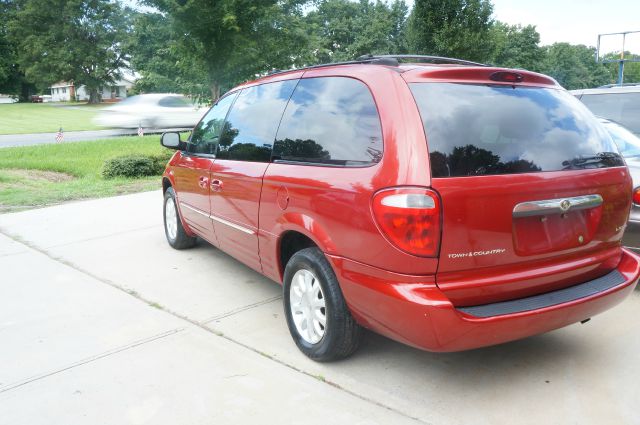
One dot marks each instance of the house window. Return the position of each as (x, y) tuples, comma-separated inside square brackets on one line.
[(64, 90)]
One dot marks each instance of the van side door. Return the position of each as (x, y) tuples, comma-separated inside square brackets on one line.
[(192, 168), (242, 157)]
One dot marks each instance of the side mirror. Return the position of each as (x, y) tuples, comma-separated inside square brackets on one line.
[(171, 140)]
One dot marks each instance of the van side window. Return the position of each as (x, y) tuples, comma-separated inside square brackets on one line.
[(205, 137), (330, 120), (175, 102), (253, 121)]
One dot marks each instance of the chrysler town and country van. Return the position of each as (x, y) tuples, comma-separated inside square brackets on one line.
[(442, 203)]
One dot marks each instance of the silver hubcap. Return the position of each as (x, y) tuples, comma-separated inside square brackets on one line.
[(307, 305), (171, 218)]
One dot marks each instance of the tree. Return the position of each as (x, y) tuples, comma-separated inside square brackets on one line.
[(233, 40), (631, 69), (343, 30), (574, 66), (454, 28), (73, 40), (156, 55), (12, 78), (517, 46)]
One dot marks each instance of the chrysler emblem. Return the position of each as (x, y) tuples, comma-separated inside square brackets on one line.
[(565, 205)]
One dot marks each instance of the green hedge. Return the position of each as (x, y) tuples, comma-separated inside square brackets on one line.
[(135, 165)]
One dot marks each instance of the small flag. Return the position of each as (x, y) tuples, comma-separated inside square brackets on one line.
[(140, 131), (60, 135)]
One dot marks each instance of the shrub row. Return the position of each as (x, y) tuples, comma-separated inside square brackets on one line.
[(135, 165)]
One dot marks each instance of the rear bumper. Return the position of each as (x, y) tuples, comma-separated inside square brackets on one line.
[(412, 310)]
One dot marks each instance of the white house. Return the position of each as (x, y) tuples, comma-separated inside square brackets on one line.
[(65, 91), (7, 99)]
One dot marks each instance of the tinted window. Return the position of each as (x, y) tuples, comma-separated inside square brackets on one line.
[(205, 136), (482, 130), (175, 102), (330, 120), (253, 121), (620, 107)]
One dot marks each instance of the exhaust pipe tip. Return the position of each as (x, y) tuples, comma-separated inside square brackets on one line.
[(585, 320)]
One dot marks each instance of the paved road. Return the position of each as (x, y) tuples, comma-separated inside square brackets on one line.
[(102, 322), (13, 140)]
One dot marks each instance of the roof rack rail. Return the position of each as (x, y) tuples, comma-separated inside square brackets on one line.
[(421, 59), (388, 60)]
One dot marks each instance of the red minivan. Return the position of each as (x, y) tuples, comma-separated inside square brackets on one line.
[(445, 204)]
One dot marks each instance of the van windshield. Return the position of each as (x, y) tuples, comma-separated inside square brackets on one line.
[(484, 130)]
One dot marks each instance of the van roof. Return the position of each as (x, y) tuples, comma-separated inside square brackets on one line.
[(421, 67)]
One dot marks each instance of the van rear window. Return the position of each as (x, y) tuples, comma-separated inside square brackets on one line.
[(483, 130)]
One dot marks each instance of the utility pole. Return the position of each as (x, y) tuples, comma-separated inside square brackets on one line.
[(622, 59)]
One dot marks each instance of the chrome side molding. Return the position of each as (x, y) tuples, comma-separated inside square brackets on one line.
[(232, 225), (219, 220), (556, 206)]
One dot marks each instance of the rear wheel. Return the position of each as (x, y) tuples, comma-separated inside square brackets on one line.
[(173, 230), (318, 318)]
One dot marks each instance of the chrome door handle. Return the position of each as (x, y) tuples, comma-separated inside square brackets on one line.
[(216, 185), (203, 182)]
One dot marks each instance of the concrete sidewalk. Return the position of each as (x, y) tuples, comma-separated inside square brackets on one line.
[(102, 322)]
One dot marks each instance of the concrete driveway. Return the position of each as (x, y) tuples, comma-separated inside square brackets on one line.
[(102, 322)]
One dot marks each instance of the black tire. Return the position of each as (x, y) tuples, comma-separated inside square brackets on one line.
[(341, 332), (181, 240)]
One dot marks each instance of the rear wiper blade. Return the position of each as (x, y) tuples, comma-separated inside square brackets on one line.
[(599, 160)]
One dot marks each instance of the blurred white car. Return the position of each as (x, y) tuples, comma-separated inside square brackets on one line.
[(158, 110)]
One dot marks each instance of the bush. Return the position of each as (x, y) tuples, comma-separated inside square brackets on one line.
[(160, 161), (130, 166)]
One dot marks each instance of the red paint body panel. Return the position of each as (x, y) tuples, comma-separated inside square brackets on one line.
[(470, 74), (191, 179), (237, 200), (481, 221), (405, 297), (412, 310)]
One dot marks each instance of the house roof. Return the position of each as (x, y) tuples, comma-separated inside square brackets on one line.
[(62, 84)]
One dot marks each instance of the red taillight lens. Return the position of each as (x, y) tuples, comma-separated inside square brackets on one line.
[(636, 196), (410, 219)]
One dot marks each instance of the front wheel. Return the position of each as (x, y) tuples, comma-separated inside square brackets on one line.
[(317, 315), (173, 230)]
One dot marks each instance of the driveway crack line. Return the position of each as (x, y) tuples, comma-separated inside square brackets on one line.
[(30, 245), (91, 359), (241, 309), (208, 329)]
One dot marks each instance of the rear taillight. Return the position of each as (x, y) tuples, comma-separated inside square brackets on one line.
[(410, 219), (507, 76), (636, 196)]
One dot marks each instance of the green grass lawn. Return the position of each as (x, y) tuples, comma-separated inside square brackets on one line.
[(36, 176), (21, 118)]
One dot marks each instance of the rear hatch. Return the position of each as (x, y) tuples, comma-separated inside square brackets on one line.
[(535, 195)]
